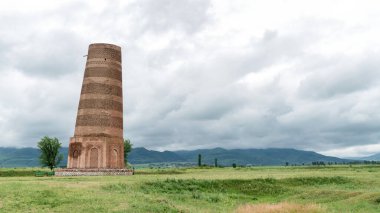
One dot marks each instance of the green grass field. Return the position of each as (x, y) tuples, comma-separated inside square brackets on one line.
[(311, 189)]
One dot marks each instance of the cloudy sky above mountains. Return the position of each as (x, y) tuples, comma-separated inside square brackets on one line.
[(200, 74)]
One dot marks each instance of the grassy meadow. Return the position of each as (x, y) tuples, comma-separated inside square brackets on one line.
[(256, 189)]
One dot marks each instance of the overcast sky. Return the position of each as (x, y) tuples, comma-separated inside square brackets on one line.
[(200, 74)]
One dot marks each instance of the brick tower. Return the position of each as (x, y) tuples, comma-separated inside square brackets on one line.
[(98, 138)]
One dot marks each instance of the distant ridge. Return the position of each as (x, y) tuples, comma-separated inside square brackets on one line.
[(375, 157), (271, 156), (140, 155), (28, 157)]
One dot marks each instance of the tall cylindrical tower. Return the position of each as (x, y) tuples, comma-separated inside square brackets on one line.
[(98, 137)]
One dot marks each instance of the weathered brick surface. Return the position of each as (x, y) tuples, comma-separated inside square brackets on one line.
[(103, 72), (97, 88), (99, 120), (98, 138), (101, 104), (102, 63), (104, 52)]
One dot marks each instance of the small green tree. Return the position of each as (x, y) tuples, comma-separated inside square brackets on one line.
[(199, 160), (127, 149), (49, 148), (216, 162)]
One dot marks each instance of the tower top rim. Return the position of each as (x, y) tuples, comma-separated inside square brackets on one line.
[(104, 45)]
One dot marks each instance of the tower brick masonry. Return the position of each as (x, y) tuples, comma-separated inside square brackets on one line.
[(98, 139)]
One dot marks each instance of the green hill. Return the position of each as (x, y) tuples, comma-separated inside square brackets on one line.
[(23, 157), (28, 157), (256, 156), (141, 155)]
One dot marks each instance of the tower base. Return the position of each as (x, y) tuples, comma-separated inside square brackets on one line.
[(95, 152), (93, 172)]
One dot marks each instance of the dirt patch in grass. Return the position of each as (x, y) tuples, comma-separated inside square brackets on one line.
[(279, 208)]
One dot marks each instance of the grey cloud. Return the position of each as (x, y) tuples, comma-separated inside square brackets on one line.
[(165, 15), (343, 77), (52, 55), (43, 109), (37, 47), (189, 122), (3, 55)]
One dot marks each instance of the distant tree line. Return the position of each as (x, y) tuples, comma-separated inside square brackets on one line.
[(234, 165), (323, 163), (314, 163)]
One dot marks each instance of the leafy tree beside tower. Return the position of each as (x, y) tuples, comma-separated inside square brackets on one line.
[(127, 149), (49, 148)]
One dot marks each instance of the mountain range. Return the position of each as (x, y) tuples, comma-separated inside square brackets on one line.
[(28, 157)]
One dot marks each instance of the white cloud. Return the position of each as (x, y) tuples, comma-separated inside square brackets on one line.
[(354, 151)]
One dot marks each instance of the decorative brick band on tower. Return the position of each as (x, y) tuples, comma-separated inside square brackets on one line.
[(98, 137)]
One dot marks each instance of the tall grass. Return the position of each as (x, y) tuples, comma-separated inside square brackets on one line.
[(267, 186), (16, 172), (257, 187), (334, 189)]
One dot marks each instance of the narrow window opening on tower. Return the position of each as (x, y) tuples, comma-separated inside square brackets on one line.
[(105, 59)]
